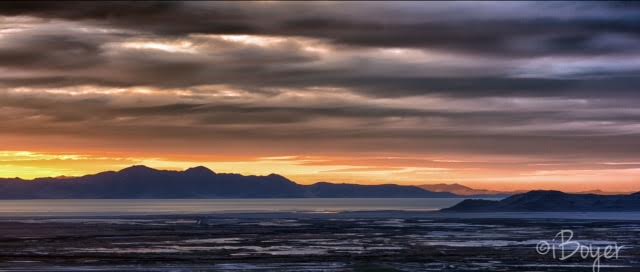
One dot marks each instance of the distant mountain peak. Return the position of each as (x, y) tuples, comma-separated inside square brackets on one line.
[(137, 169), (273, 175), (545, 193), (199, 170), (450, 186), (460, 189), (279, 178)]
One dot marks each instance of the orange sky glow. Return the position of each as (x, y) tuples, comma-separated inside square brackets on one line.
[(359, 92), (311, 169)]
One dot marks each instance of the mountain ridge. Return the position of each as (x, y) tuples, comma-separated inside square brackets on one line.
[(139, 181), (463, 190), (552, 201)]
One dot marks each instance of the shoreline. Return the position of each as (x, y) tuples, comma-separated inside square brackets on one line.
[(378, 214)]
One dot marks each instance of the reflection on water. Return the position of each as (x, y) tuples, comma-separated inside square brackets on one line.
[(231, 244), (182, 206)]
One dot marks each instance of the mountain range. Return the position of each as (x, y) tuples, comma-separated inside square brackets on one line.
[(198, 182), (466, 191), (552, 201), (462, 190)]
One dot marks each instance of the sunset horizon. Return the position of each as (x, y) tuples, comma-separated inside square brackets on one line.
[(316, 95), (306, 136), (261, 166)]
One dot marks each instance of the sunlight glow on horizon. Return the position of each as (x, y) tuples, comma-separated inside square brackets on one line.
[(345, 92), (308, 170)]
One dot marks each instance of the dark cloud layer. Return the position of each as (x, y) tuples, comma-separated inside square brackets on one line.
[(546, 31), (541, 79), (512, 33)]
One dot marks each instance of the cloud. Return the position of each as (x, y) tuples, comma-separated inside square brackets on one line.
[(347, 123), (514, 29), (543, 82), (519, 49)]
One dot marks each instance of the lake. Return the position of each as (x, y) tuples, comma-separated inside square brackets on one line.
[(97, 207), (327, 242), (310, 235)]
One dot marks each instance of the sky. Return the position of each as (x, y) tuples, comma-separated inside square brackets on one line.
[(496, 95)]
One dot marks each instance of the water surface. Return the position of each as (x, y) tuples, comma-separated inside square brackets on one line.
[(202, 206)]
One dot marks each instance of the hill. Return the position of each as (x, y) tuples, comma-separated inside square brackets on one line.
[(552, 201)]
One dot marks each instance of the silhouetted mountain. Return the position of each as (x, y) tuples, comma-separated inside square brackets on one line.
[(551, 201), (462, 190), (325, 189), (600, 192), (198, 182)]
